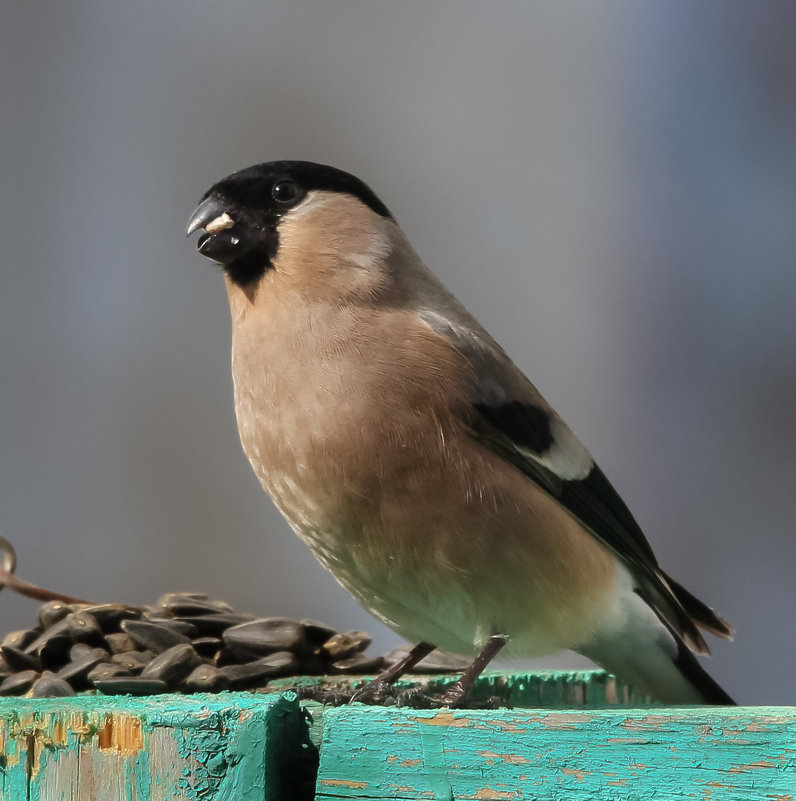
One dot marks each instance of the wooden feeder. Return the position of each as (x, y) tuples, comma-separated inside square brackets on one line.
[(574, 736)]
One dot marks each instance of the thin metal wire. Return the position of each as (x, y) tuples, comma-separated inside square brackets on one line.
[(8, 579)]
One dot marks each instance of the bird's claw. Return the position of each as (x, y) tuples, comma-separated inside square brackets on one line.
[(374, 692), (453, 695)]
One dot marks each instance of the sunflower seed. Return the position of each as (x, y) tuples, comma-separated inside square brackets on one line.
[(106, 670), (48, 685), (206, 679), (84, 627), (206, 646), (153, 636), (19, 660), (130, 686), (172, 665), (317, 633), (180, 626), (19, 683), (277, 664), (110, 615), (358, 663), (119, 643), (134, 661), (216, 624), (265, 636), (189, 607), (79, 649), (55, 651), (52, 612), (76, 672), (177, 597), (340, 646), (20, 639), (58, 629)]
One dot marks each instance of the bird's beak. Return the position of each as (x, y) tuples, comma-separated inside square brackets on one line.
[(206, 212), (224, 239)]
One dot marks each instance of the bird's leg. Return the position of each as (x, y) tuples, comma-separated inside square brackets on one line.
[(391, 674), (456, 692), (376, 688)]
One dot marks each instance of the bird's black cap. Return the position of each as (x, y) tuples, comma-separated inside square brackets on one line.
[(253, 186), (240, 214)]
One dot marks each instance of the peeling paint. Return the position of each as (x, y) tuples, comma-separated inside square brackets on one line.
[(121, 733), (562, 720), (580, 775), (647, 722), (488, 794), (581, 756), (97, 748), (627, 740), (351, 785), (433, 755), (220, 748), (511, 759), (442, 719), (759, 765)]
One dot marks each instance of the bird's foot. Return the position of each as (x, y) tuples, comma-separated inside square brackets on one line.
[(426, 698), (454, 695), (374, 692), (417, 698), (323, 695)]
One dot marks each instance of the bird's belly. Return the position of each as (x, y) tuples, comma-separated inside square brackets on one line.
[(433, 533), (438, 563)]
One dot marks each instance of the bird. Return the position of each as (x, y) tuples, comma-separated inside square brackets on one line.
[(420, 465)]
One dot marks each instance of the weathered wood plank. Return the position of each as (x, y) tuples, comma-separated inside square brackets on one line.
[(224, 747), (560, 689), (252, 746), (709, 754), (539, 688)]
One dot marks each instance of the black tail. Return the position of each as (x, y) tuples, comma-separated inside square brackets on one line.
[(699, 612), (699, 679)]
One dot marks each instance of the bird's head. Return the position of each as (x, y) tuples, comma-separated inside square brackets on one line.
[(252, 218)]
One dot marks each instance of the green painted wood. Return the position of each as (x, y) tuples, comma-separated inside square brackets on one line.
[(568, 737), (224, 747), (704, 753), (540, 688), (560, 689)]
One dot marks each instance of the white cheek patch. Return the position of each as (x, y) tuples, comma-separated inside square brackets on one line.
[(566, 457), (220, 223), (375, 251)]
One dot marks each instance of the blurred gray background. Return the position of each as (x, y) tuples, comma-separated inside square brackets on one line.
[(610, 187)]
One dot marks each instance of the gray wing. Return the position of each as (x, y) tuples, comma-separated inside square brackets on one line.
[(513, 419)]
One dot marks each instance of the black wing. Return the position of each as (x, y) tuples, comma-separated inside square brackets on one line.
[(539, 444)]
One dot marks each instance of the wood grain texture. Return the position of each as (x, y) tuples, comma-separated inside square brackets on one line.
[(568, 737), (560, 689), (225, 747), (705, 753)]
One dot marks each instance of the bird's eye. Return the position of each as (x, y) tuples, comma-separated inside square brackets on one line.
[(285, 192)]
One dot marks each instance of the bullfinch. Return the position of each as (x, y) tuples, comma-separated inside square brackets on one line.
[(420, 465)]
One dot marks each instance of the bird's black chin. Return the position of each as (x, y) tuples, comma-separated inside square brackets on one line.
[(248, 269), (244, 260), (225, 246), (241, 241)]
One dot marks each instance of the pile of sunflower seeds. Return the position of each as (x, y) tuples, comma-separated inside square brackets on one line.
[(185, 643)]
